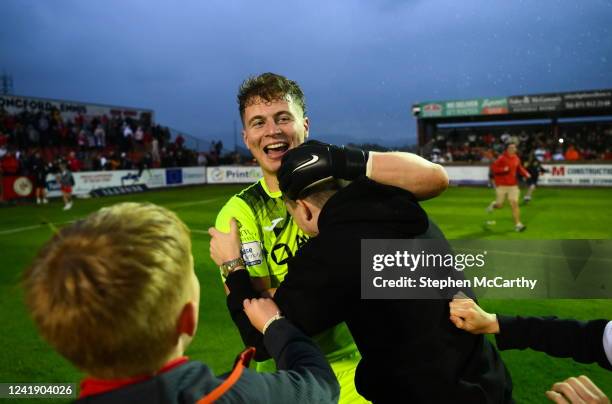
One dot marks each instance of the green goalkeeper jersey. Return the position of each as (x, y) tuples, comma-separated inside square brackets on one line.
[(269, 238)]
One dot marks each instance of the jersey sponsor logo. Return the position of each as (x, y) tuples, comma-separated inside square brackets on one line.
[(251, 253), (273, 224), (246, 234), (301, 240), (310, 162), (281, 253)]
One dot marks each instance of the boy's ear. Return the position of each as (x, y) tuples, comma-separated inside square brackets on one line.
[(187, 320), (307, 207)]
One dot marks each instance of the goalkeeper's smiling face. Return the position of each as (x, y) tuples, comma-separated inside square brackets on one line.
[(271, 128)]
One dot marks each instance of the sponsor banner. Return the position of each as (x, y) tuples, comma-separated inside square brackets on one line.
[(87, 181), (194, 175), (111, 191), (589, 175), (535, 103), (481, 106), (468, 175), (14, 104), (15, 187), (600, 99), (588, 100), (552, 102), (174, 176), (233, 174), (185, 176)]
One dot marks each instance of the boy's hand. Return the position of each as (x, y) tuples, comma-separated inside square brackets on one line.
[(577, 390), (225, 246), (259, 311), (468, 316), (268, 293)]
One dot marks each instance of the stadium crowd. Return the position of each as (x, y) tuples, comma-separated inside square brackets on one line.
[(91, 143), (572, 142)]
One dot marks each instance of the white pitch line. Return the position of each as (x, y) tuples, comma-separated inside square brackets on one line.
[(20, 229), (36, 226), (170, 205), (185, 204)]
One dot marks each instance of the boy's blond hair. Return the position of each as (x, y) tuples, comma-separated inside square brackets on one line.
[(106, 291)]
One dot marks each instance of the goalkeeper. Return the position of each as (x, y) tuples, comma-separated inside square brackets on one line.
[(411, 352), (273, 113)]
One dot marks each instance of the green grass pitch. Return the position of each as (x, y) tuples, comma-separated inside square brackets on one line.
[(553, 214)]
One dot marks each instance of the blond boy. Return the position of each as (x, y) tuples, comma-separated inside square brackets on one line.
[(116, 294)]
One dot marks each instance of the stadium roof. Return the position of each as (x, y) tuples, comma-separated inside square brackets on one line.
[(532, 106)]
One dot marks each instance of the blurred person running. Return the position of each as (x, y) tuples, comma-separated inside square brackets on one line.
[(534, 167), (66, 181), (505, 170)]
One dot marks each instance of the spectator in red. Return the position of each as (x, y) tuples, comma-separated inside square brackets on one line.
[(488, 139), (571, 154), (505, 169), (73, 162), (180, 140), (3, 140), (10, 123), (147, 139), (79, 120), (10, 164)]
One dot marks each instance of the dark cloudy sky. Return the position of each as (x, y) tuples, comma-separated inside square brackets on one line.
[(361, 63)]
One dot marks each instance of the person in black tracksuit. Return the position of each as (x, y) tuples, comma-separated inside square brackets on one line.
[(534, 167), (410, 350), (39, 171)]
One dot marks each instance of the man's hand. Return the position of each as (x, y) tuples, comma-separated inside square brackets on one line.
[(260, 311), (468, 316), (225, 246), (576, 390)]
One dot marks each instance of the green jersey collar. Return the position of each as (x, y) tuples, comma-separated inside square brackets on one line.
[(276, 194)]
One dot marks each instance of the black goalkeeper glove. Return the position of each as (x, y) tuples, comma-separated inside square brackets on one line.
[(314, 161)]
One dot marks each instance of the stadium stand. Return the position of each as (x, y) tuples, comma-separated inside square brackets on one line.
[(574, 142), (89, 142)]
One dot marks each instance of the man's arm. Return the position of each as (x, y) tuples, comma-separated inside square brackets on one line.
[(301, 298), (239, 286), (249, 236), (500, 166), (408, 171)]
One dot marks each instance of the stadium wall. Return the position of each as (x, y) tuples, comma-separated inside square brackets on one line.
[(16, 187), (574, 175), (87, 181)]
